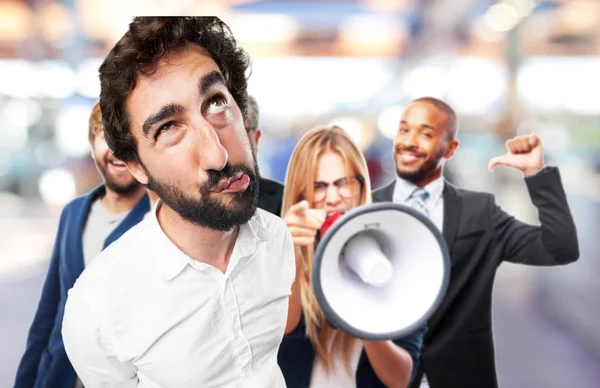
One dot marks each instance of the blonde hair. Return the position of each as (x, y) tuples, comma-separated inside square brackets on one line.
[(95, 123), (299, 179)]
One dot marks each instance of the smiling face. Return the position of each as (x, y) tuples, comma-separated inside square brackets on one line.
[(114, 173), (422, 144), (193, 148)]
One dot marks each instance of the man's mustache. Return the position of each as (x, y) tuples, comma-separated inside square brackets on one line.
[(414, 150), (214, 176)]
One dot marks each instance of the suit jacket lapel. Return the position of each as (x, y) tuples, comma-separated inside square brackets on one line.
[(74, 240), (386, 193), (453, 204), (452, 209)]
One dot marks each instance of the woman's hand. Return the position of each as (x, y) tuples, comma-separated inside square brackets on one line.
[(303, 223)]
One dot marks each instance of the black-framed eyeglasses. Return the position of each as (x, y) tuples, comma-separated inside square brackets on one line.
[(347, 187)]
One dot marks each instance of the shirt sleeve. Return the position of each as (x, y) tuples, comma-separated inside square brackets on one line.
[(89, 350)]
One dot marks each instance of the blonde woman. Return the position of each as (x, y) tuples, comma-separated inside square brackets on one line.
[(327, 173)]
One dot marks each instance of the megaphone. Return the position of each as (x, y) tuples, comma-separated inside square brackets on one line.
[(380, 271)]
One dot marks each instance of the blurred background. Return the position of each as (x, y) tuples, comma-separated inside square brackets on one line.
[(508, 67)]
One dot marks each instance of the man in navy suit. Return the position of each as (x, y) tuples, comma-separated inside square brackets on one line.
[(270, 194), (87, 225)]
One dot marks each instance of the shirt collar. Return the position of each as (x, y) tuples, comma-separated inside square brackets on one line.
[(172, 261), (403, 189)]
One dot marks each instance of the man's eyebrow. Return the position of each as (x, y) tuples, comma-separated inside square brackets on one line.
[(210, 79), (422, 125), (165, 112)]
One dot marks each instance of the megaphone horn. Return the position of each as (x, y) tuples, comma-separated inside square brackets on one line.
[(380, 271)]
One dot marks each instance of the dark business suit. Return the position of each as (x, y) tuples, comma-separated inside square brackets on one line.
[(458, 348), (270, 196), (45, 363)]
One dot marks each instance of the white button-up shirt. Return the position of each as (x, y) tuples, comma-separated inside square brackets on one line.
[(144, 314), (434, 204)]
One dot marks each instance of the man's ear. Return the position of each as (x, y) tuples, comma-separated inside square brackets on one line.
[(451, 149), (135, 168), (257, 138)]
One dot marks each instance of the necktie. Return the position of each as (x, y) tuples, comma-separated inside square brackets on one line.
[(417, 201)]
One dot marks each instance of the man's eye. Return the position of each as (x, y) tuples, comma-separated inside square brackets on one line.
[(216, 105), (163, 128)]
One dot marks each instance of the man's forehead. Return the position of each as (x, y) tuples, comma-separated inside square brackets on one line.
[(425, 111)]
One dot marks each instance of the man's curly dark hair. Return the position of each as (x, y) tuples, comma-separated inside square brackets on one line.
[(149, 40)]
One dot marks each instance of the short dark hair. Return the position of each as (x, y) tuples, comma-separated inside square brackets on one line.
[(441, 106), (251, 123), (148, 40)]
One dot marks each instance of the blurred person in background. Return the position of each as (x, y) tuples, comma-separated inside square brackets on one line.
[(87, 225), (196, 294), (270, 192), (327, 174), (458, 348)]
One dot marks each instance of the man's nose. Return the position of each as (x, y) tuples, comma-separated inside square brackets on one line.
[(212, 155), (410, 140)]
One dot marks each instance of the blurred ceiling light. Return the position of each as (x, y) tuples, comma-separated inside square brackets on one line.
[(15, 21), (388, 121), (425, 80), (582, 93), (55, 21), (57, 186), (18, 78), (16, 117), (279, 87), (522, 7), (482, 31), (370, 29), (56, 79), (362, 134), (71, 129), (87, 80), (476, 85), (501, 17), (387, 5), (539, 85), (561, 83), (256, 27)]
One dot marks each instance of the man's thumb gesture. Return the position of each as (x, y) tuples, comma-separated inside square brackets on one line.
[(525, 153)]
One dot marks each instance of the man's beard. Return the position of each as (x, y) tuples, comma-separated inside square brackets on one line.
[(429, 166), (120, 188), (208, 211)]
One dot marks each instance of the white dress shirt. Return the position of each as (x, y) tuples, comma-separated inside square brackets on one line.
[(434, 204), (145, 315)]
